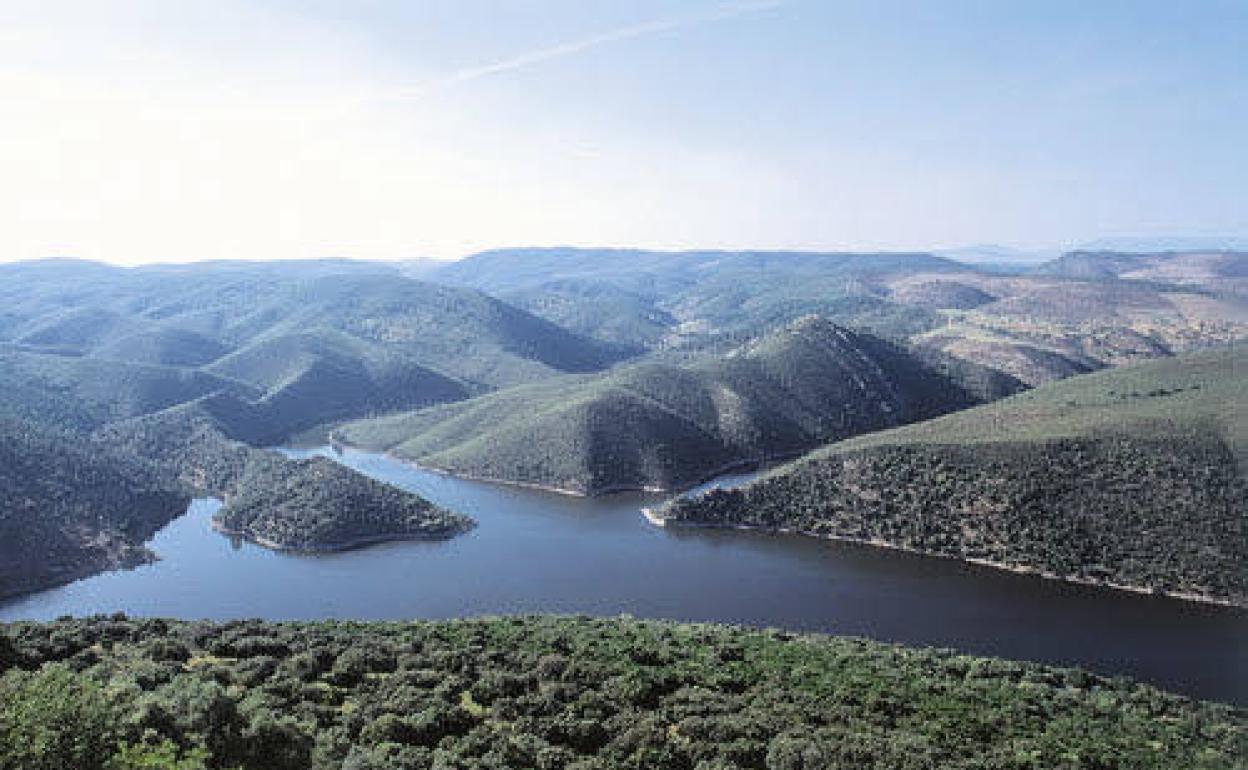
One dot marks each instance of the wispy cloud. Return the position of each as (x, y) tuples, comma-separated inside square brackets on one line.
[(572, 47)]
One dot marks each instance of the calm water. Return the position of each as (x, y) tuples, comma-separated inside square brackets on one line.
[(540, 552)]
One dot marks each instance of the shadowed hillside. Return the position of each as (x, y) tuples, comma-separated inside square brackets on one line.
[(68, 510)]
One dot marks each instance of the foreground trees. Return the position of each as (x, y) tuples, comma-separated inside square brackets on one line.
[(116, 694)]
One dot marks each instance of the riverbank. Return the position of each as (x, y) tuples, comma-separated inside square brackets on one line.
[(346, 545), (741, 466), (651, 515)]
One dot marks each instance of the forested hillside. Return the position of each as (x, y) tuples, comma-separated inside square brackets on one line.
[(309, 343), (301, 505), (67, 510), (667, 426), (118, 694), (1133, 477)]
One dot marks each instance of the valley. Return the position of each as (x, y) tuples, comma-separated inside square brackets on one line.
[(911, 445)]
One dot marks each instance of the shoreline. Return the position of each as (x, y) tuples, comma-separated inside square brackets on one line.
[(349, 545), (652, 516), (740, 466)]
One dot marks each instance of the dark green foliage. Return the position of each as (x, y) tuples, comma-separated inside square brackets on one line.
[(67, 510), (667, 426), (1133, 477), (579, 693), (53, 719), (305, 505)]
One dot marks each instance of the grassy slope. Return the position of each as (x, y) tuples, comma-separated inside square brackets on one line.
[(574, 694), (667, 426), (1133, 476)]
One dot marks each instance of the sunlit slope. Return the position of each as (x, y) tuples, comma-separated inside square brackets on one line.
[(570, 693), (1065, 318), (1133, 476), (667, 426)]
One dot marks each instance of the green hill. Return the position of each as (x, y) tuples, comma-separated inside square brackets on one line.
[(565, 694), (1133, 477), (319, 341), (298, 505), (695, 295), (44, 386), (68, 510), (668, 426), (309, 378), (1215, 269)]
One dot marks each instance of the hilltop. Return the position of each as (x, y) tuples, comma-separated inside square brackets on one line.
[(666, 426), (308, 343), (1036, 325), (1133, 477)]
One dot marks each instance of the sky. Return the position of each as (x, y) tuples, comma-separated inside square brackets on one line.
[(137, 131)]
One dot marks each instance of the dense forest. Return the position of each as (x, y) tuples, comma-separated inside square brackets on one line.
[(110, 693), (1132, 477), (67, 511), (302, 505), (669, 425)]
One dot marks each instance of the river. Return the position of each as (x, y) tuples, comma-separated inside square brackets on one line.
[(535, 551)]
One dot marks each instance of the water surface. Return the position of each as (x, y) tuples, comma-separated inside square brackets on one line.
[(542, 552)]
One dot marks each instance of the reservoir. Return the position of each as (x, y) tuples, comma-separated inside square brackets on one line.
[(535, 551)]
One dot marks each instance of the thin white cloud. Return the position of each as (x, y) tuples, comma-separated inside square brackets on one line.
[(572, 47)]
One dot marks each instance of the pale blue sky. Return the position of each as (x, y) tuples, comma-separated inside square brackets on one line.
[(144, 130)]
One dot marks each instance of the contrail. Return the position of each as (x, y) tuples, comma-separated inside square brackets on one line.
[(727, 11)]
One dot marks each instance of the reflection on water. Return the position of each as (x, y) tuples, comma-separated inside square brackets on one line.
[(542, 552)]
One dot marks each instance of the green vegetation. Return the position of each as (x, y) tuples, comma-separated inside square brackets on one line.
[(110, 693), (317, 504), (302, 505), (1133, 477), (669, 426), (67, 511), (308, 343)]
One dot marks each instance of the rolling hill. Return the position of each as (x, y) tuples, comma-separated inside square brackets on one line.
[(1133, 477), (1038, 326), (308, 342), (667, 426), (296, 505)]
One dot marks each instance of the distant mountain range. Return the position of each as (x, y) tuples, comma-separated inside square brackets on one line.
[(1038, 326)]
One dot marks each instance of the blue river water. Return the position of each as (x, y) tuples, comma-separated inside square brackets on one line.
[(535, 551)]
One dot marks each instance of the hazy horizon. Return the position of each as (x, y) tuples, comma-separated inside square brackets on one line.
[(138, 132)]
